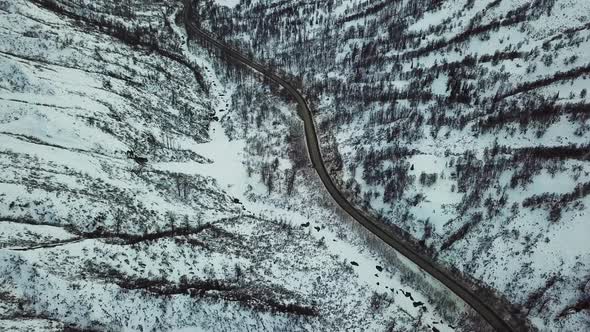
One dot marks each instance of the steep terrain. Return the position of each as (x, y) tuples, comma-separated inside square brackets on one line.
[(462, 123), (132, 196)]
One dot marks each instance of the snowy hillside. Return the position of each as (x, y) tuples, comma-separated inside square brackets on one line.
[(135, 193), (462, 123)]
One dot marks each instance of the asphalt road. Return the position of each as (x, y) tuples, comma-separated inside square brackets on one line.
[(369, 222)]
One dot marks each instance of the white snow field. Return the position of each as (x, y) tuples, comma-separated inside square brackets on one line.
[(463, 123), (192, 239)]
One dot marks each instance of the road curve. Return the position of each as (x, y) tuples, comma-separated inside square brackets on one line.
[(369, 222)]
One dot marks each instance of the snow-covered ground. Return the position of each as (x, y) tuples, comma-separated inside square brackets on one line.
[(227, 3), (453, 120), (192, 240)]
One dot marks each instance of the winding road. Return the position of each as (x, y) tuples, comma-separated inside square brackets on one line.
[(369, 222)]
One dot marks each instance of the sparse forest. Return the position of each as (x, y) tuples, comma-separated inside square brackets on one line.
[(119, 142), (464, 124)]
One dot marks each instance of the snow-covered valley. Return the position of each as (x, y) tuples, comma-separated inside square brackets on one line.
[(462, 123), (145, 186)]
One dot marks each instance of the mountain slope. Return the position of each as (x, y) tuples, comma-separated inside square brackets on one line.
[(462, 123), (183, 239)]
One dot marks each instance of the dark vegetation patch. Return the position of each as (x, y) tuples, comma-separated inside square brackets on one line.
[(253, 296)]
